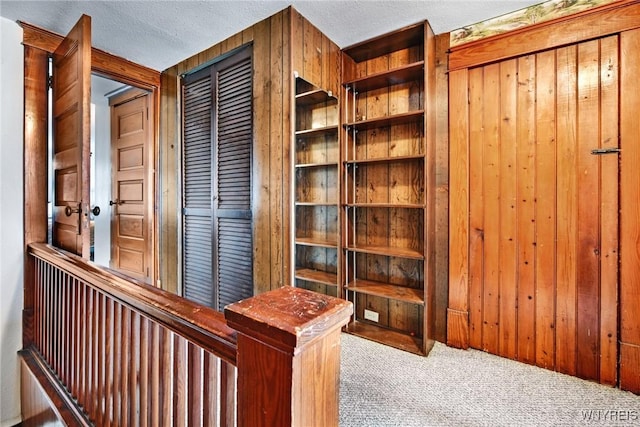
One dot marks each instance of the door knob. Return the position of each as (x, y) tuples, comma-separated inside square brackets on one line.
[(115, 202), (95, 211), (68, 211)]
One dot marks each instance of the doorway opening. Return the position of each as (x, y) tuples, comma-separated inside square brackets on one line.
[(107, 203)]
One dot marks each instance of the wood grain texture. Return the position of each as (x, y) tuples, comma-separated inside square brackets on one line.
[(588, 252), (441, 189), (507, 339), (525, 207), (475, 208), (273, 53), (288, 357), (609, 70), (35, 184), (169, 155), (458, 210), (566, 187), (149, 372), (550, 230), (102, 62), (592, 23), (545, 194), (630, 212)]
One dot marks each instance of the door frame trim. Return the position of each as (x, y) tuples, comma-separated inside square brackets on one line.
[(36, 39)]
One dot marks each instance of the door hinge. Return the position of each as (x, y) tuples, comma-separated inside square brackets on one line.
[(612, 150)]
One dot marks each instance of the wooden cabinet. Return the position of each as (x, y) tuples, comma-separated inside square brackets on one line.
[(387, 188), (316, 160)]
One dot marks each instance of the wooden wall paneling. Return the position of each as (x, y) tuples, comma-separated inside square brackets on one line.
[(491, 188), (476, 184), (587, 292), (297, 42), (545, 209), (261, 152), (525, 207), (430, 248), (280, 148), (630, 212), (597, 22), (458, 308), (169, 183), (272, 58), (566, 228), (507, 276), (36, 66), (312, 52), (609, 208), (210, 53), (440, 112)]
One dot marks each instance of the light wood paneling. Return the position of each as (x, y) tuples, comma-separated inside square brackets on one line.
[(313, 55), (542, 209), (458, 328), (630, 212)]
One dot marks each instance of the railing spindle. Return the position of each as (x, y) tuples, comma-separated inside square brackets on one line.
[(117, 364), (108, 367), (100, 360), (132, 355), (134, 369), (144, 372), (154, 382), (194, 393), (179, 380), (167, 374), (210, 377), (124, 367)]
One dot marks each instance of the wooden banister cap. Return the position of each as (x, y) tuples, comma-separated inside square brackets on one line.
[(288, 318)]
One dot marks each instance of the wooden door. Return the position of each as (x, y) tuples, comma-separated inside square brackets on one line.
[(542, 206), (71, 139), (131, 187)]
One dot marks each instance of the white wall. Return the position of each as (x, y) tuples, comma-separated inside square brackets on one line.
[(102, 184), (11, 218)]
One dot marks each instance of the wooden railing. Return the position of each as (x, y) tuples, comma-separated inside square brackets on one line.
[(120, 353)]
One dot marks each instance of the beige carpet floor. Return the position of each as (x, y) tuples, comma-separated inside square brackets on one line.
[(382, 386)]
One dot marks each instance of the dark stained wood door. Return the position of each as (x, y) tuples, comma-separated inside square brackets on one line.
[(132, 186), (71, 139)]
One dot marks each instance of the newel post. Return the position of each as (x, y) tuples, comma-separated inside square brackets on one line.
[(288, 357)]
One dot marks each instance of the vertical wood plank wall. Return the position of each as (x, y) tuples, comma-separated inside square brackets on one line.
[(543, 210), (441, 164), (544, 253), (630, 212), (314, 56), (281, 43)]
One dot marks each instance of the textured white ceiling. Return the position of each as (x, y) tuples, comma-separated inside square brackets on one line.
[(159, 34)]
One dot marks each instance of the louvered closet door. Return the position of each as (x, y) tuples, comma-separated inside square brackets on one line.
[(233, 133), (217, 220)]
